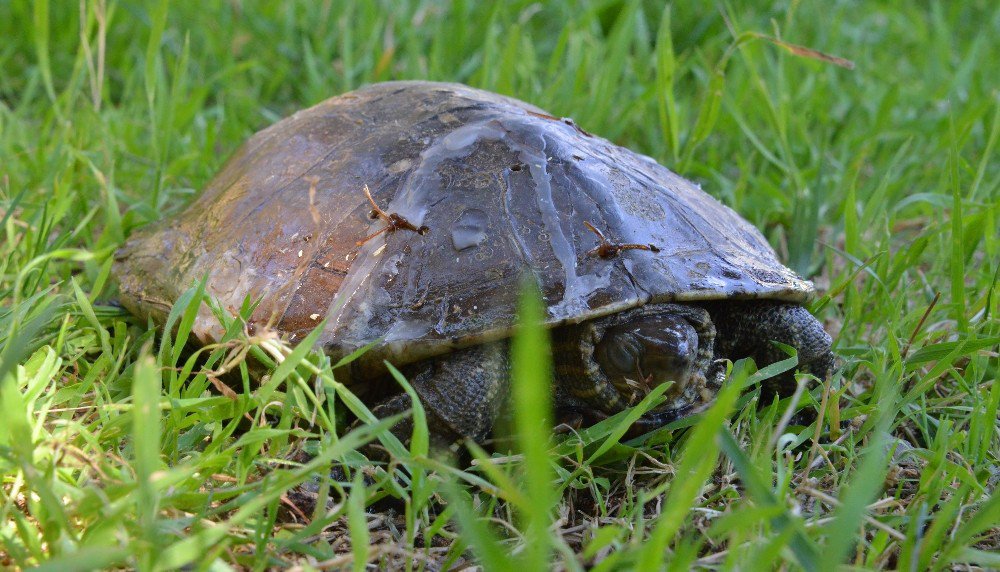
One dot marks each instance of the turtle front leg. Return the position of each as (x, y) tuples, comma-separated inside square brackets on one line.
[(462, 393), (747, 328)]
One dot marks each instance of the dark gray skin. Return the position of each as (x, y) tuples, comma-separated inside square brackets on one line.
[(606, 365), (463, 392), (645, 278)]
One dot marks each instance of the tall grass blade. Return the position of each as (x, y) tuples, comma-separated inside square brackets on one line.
[(531, 367), (146, 427), (357, 523), (806, 553), (698, 459)]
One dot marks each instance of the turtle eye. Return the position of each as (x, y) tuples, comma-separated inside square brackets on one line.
[(622, 359), (621, 352)]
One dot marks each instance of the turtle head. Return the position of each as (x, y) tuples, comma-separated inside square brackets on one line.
[(649, 351)]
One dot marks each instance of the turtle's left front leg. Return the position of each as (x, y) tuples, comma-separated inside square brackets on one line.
[(462, 393)]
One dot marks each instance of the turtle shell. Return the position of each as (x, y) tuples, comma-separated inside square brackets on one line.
[(504, 190)]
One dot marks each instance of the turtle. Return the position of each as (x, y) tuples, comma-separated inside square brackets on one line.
[(404, 216)]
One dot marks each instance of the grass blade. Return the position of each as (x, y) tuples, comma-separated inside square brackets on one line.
[(146, 448), (531, 367), (484, 542), (357, 523), (806, 553), (697, 462)]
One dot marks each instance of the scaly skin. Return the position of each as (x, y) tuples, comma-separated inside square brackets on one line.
[(465, 391), (746, 329)]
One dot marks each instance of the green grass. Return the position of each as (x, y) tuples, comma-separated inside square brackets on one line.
[(117, 449)]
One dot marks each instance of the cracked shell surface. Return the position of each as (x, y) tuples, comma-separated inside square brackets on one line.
[(504, 189)]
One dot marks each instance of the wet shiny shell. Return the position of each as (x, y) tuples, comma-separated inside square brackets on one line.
[(504, 190)]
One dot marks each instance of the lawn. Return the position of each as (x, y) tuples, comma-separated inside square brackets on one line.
[(877, 177)]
